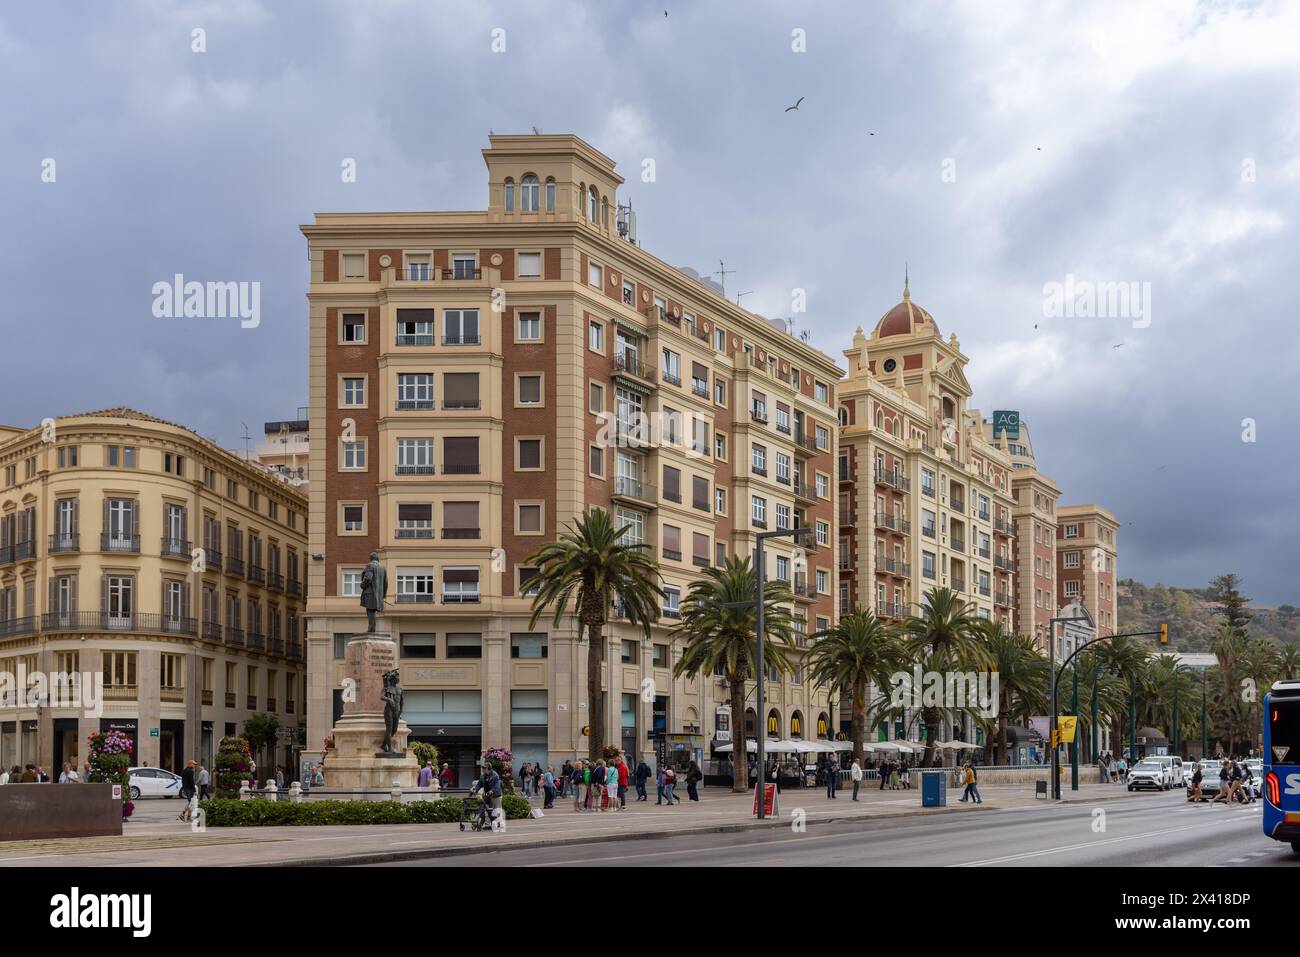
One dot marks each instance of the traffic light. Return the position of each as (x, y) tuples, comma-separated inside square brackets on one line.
[(1164, 634)]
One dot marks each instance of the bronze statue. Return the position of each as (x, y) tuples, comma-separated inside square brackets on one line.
[(374, 587), (392, 706)]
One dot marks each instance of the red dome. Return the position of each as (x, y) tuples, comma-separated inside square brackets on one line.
[(904, 319)]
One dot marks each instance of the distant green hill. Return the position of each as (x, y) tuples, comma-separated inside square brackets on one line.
[(1192, 617)]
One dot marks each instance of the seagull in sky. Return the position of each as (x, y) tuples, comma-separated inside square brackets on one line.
[(796, 105)]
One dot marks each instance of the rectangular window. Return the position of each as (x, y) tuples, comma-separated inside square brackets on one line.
[(700, 492), (354, 518), (419, 645), (463, 266), (415, 456), (672, 543), (415, 326), (758, 511), (460, 520), (629, 293), (530, 389), (782, 516), (354, 327), (460, 586), (415, 390), (720, 501), (354, 390), (530, 646), (460, 327), (530, 327), (823, 534), (460, 455), (672, 370), (927, 564), (415, 520), (529, 454), (464, 645), (823, 437), (530, 265), (672, 484), (596, 336), (354, 455), (595, 397), (354, 265), (530, 517), (594, 275), (720, 339)]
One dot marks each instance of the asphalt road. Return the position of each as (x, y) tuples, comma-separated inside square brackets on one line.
[(1159, 830)]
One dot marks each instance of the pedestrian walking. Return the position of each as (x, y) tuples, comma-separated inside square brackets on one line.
[(642, 775), (566, 772), (693, 778), (1197, 777), (905, 775), (670, 785), (883, 772), (661, 777), (575, 784), (205, 783), (972, 789), (548, 788), (426, 776), (855, 775), (189, 787), (622, 783)]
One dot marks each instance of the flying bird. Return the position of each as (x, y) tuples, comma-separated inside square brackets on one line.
[(796, 105), (1117, 345)]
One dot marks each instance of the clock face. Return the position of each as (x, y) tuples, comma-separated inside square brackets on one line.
[(890, 365)]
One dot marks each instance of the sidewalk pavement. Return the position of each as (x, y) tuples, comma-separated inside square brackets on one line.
[(154, 837)]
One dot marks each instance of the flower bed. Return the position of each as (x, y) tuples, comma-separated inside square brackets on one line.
[(219, 813), (110, 761)]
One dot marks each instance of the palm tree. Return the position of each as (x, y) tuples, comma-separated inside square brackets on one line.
[(718, 629), (947, 635), (1022, 676), (1288, 661), (1260, 661), (592, 567), (1125, 658), (1226, 645), (856, 653)]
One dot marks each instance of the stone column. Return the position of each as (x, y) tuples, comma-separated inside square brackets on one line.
[(148, 713), (495, 703)]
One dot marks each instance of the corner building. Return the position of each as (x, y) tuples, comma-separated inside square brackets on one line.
[(103, 516), (480, 378)]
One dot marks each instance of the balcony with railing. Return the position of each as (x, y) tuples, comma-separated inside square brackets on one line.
[(414, 405), (700, 561), (887, 609), (1006, 564), (275, 581), (271, 704), (173, 695), (626, 364), (19, 627), (460, 468), (984, 590), (803, 589), (212, 559), (174, 547), (64, 542), (892, 566), (414, 597), (806, 444), (699, 389), (894, 479), (894, 523), (276, 646), (293, 587), (250, 702), (633, 488), (413, 531), (958, 544), (121, 692), (289, 706), (256, 641), (983, 552), (234, 565), (293, 649), (956, 504), (672, 555), (234, 638), (414, 469), (758, 415), (1002, 526), (207, 696), (673, 613), (461, 596), (55, 621), (212, 630), (113, 542), (958, 584), (256, 573), (928, 531), (6, 554), (1002, 598), (983, 514), (670, 378), (27, 549), (463, 339), (803, 491), (847, 518)]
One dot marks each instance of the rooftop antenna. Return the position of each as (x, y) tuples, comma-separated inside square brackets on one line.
[(722, 274), (247, 438), (625, 221), (739, 294), (536, 131)]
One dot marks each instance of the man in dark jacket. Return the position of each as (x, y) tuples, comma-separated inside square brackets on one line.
[(188, 787), (642, 775)]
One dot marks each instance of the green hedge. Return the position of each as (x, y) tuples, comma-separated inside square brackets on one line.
[(262, 813)]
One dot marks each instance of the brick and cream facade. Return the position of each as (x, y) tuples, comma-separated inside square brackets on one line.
[(480, 378)]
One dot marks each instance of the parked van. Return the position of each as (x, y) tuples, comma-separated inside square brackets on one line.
[(1174, 764)]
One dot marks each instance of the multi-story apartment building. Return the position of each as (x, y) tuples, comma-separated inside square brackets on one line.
[(285, 450), (1035, 520), (480, 378), (134, 549), (1087, 549), (924, 499)]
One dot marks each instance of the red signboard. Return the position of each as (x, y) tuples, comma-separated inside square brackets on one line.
[(769, 800)]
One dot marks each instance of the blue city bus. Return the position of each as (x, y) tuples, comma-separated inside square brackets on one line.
[(1282, 763)]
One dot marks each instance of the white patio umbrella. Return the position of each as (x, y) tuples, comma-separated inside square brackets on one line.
[(750, 745), (782, 747), (844, 746), (888, 746), (808, 747)]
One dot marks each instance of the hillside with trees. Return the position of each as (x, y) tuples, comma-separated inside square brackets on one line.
[(1193, 615)]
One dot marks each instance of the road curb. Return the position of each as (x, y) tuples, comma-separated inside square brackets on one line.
[(387, 857)]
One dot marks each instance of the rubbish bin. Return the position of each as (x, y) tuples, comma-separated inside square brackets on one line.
[(934, 789)]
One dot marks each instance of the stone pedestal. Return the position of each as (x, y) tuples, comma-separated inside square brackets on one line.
[(356, 763)]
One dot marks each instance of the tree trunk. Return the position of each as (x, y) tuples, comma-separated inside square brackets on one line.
[(739, 744), (595, 693), (1002, 757), (859, 721), (931, 716)]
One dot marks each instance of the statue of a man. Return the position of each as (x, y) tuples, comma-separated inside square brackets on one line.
[(392, 706), (374, 587)]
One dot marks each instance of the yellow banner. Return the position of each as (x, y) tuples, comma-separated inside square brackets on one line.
[(1067, 727)]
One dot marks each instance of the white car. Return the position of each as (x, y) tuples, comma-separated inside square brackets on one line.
[(1149, 773), (154, 782), (1178, 771)]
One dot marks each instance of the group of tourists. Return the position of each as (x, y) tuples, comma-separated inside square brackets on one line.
[(1111, 769), (1236, 783)]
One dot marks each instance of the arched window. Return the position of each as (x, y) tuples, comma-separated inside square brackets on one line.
[(550, 194), (949, 408), (593, 205), (510, 195), (796, 725), (823, 725), (898, 426), (844, 416), (528, 194), (751, 723), (880, 424), (773, 724)]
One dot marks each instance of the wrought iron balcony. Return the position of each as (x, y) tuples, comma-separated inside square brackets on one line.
[(1003, 526), (423, 532), (893, 523), (890, 610), (758, 415), (462, 468), (64, 542), (293, 587), (464, 339), (700, 389), (672, 555), (626, 364), (671, 378), (256, 573), (411, 405), (415, 598), (174, 547), (234, 565), (894, 479), (212, 630), (234, 637), (1002, 598), (461, 597), (112, 542), (415, 339), (958, 544), (256, 641), (230, 699), (19, 627), (958, 584), (275, 580), (629, 487), (1006, 564), (892, 566), (27, 549), (414, 470)]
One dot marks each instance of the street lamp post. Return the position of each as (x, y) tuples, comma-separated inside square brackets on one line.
[(1051, 728), (1205, 724), (761, 666)]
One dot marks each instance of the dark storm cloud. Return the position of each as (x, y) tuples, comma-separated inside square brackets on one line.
[(1093, 140)]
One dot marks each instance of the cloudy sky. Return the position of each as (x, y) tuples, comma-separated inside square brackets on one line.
[(996, 148)]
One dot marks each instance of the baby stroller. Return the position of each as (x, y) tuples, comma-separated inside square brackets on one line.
[(479, 819)]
